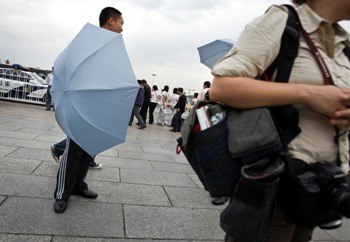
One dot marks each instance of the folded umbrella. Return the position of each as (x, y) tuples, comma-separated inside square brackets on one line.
[(212, 52), (94, 89)]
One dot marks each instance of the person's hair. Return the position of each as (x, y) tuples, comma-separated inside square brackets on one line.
[(180, 89), (155, 88), (143, 81), (107, 13), (207, 83), (139, 81), (175, 90), (299, 2), (195, 95), (166, 88)]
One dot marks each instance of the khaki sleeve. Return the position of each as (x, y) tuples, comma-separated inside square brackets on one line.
[(257, 46)]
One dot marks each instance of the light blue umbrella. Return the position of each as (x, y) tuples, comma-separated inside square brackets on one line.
[(214, 51), (94, 89)]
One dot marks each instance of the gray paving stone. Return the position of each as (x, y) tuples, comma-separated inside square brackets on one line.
[(50, 137), (196, 180), (104, 174), (7, 126), (180, 159), (4, 150), (36, 216), (190, 198), (31, 153), (19, 135), (172, 167), (35, 130), (17, 165), (123, 193), (145, 156), (123, 163), (342, 232), (150, 144), (159, 150), (47, 168), (85, 239), (321, 235), (129, 146), (110, 152), (171, 223), (156, 178), (26, 185), (2, 198), (20, 237), (17, 142)]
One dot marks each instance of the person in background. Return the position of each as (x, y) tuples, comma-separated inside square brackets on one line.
[(194, 99), (204, 94), (179, 109), (162, 106), (137, 105), (147, 100), (153, 104), (323, 108), (174, 97), (75, 161), (49, 81)]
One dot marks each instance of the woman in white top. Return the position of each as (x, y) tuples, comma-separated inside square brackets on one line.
[(162, 106), (153, 103), (174, 97)]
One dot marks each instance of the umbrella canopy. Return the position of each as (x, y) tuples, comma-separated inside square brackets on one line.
[(212, 52), (94, 89)]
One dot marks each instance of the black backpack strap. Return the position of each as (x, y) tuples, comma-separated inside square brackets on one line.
[(288, 50), (347, 50)]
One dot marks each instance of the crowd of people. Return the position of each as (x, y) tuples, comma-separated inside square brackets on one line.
[(172, 106)]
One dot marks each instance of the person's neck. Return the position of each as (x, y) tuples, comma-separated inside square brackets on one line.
[(325, 10)]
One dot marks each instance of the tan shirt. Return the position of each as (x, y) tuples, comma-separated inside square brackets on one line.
[(257, 48)]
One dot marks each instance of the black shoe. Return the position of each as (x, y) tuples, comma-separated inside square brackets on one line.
[(138, 124), (219, 200), (85, 193), (60, 206), (172, 130), (142, 127)]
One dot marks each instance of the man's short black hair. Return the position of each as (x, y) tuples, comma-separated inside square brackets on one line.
[(207, 84), (107, 13)]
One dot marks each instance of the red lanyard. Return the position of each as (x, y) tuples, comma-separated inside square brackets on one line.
[(327, 77), (328, 80)]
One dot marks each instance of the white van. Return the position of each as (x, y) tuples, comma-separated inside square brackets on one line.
[(22, 86)]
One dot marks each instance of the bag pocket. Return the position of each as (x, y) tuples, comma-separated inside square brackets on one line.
[(252, 135), (254, 197), (218, 169)]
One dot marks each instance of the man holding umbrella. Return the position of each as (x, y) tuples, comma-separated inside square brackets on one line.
[(75, 161)]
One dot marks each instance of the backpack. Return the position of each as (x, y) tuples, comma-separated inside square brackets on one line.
[(207, 151)]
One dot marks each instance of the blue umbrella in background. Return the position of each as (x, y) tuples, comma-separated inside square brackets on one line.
[(212, 52), (94, 89)]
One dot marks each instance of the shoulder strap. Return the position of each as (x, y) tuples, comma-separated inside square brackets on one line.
[(347, 51), (288, 50)]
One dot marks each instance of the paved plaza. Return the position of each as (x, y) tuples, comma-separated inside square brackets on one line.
[(146, 191)]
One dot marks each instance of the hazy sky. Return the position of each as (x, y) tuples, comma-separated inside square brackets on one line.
[(161, 36)]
